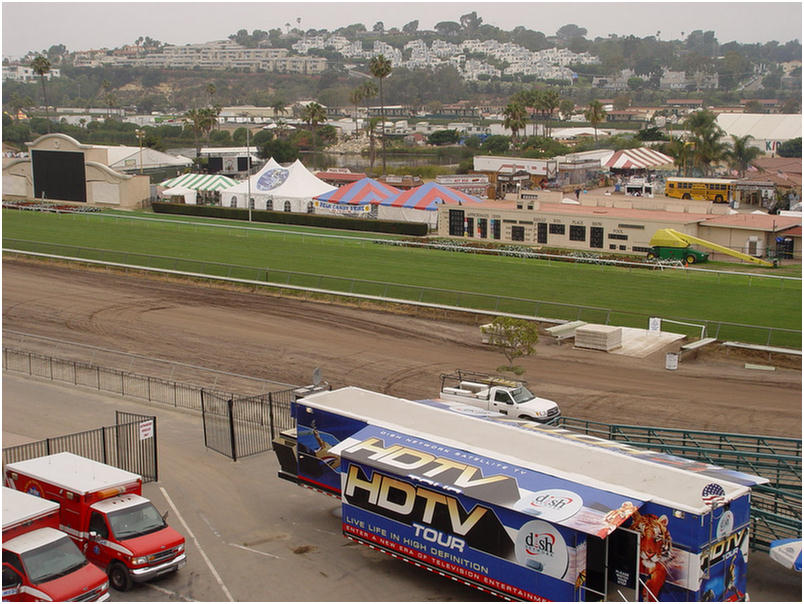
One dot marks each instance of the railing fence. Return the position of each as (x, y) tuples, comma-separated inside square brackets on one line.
[(130, 444)]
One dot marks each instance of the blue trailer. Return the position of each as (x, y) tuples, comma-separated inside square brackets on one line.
[(522, 510)]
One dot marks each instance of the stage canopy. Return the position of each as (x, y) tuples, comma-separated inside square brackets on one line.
[(200, 182), (428, 197), (273, 180), (638, 159)]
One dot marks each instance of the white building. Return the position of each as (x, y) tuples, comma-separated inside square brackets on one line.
[(22, 73)]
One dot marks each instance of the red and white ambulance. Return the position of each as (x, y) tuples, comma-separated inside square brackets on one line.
[(103, 510), (41, 563)]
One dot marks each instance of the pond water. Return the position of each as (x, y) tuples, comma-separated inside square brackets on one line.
[(360, 163), (357, 162)]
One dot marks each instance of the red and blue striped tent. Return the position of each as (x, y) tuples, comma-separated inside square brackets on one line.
[(365, 190), (428, 197)]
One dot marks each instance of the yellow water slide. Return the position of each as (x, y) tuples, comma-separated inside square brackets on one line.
[(673, 238)]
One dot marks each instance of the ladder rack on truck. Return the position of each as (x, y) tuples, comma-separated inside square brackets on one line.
[(520, 509)]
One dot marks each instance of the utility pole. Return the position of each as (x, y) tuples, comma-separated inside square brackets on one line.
[(248, 170), (140, 135)]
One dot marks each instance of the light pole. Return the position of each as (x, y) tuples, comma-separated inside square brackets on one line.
[(248, 171), (140, 135)]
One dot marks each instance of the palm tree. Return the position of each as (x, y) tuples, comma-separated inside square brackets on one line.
[(313, 114), (201, 121), (355, 97), (565, 108), (515, 119), (111, 101), (595, 115), (371, 124), (380, 68), (710, 149), (681, 151), (106, 86), (741, 154), (532, 99), (279, 106), (707, 138), (211, 90), (41, 67), (550, 101)]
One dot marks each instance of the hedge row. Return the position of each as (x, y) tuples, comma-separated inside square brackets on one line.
[(418, 229)]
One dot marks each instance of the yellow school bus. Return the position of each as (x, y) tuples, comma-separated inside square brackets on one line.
[(719, 190)]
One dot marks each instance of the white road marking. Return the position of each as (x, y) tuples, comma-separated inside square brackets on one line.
[(198, 545), (256, 551), (170, 593)]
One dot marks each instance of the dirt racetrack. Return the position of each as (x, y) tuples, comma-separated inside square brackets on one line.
[(284, 339)]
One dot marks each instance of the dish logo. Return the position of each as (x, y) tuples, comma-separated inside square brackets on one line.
[(540, 547), (551, 504), (536, 544)]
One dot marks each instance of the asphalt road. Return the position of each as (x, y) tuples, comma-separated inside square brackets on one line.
[(250, 535)]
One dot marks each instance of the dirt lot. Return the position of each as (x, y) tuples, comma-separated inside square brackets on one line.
[(284, 339)]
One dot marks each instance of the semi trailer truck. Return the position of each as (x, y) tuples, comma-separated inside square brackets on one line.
[(521, 509)]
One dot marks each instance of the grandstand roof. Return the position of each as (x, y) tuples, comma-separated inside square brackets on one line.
[(761, 126)]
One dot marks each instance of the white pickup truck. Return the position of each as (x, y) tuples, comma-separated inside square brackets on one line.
[(499, 394)]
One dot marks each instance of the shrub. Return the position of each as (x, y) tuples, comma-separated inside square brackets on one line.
[(419, 229)]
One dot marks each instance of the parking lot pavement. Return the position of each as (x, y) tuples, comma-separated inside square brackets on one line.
[(251, 536)]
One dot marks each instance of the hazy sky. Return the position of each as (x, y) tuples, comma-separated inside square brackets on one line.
[(84, 25)]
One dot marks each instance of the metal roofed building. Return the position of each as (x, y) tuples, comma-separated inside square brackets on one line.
[(610, 224), (768, 131)]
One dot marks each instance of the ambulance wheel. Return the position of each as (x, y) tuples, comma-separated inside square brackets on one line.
[(119, 577)]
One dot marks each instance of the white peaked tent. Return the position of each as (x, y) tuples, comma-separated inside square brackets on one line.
[(276, 188), (190, 195)]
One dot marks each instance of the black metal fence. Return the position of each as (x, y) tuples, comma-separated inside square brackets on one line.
[(125, 383), (130, 444), (242, 426)]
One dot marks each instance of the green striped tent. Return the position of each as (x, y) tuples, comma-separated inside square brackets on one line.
[(200, 182)]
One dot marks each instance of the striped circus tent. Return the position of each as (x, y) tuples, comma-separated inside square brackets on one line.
[(421, 204), (643, 158), (365, 190), (428, 197), (200, 182)]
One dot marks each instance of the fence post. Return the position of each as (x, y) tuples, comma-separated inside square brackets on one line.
[(149, 388), (203, 414), (230, 407), (156, 453), (103, 437), (51, 367), (75, 373), (271, 416), (47, 446), (97, 373), (30, 369)]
